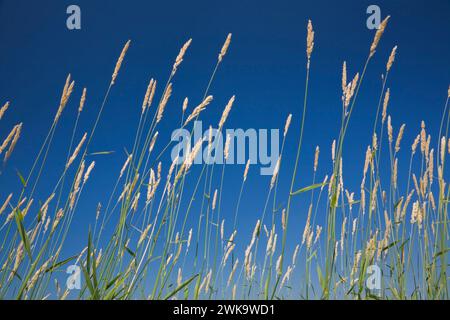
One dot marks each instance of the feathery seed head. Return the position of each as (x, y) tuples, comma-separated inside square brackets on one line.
[(391, 59), (399, 138), (3, 109), (76, 151), (153, 141), (385, 104), (316, 158), (275, 173), (180, 56), (287, 124), (390, 130), (198, 109), (225, 46), (125, 165), (344, 77), (185, 104), (378, 35), (148, 95), (88, 172), (67, 91), (5, 204), (247, 166), (226, 151), (82, 100), (226, 111), (309, 40), (17, 130), (415, 144), (163, 103), (119, 62), (214, 200)]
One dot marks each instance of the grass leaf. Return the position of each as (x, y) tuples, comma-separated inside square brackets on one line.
[(23, 234), (308, 188), (100, 153), (22, 180), (59, 264), (179, 288)]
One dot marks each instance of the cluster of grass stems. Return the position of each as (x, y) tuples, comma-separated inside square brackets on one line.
[(141, 247)]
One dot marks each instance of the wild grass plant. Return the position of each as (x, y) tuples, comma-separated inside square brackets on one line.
[(141, 244)]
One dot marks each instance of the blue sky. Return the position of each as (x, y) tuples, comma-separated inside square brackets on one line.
[(264, 68)]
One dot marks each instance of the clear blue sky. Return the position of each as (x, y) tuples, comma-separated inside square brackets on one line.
[(264, 68)]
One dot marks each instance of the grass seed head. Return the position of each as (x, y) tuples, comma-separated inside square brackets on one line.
[(378, 35), (3, 109), (119, 62), (225, 46)]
